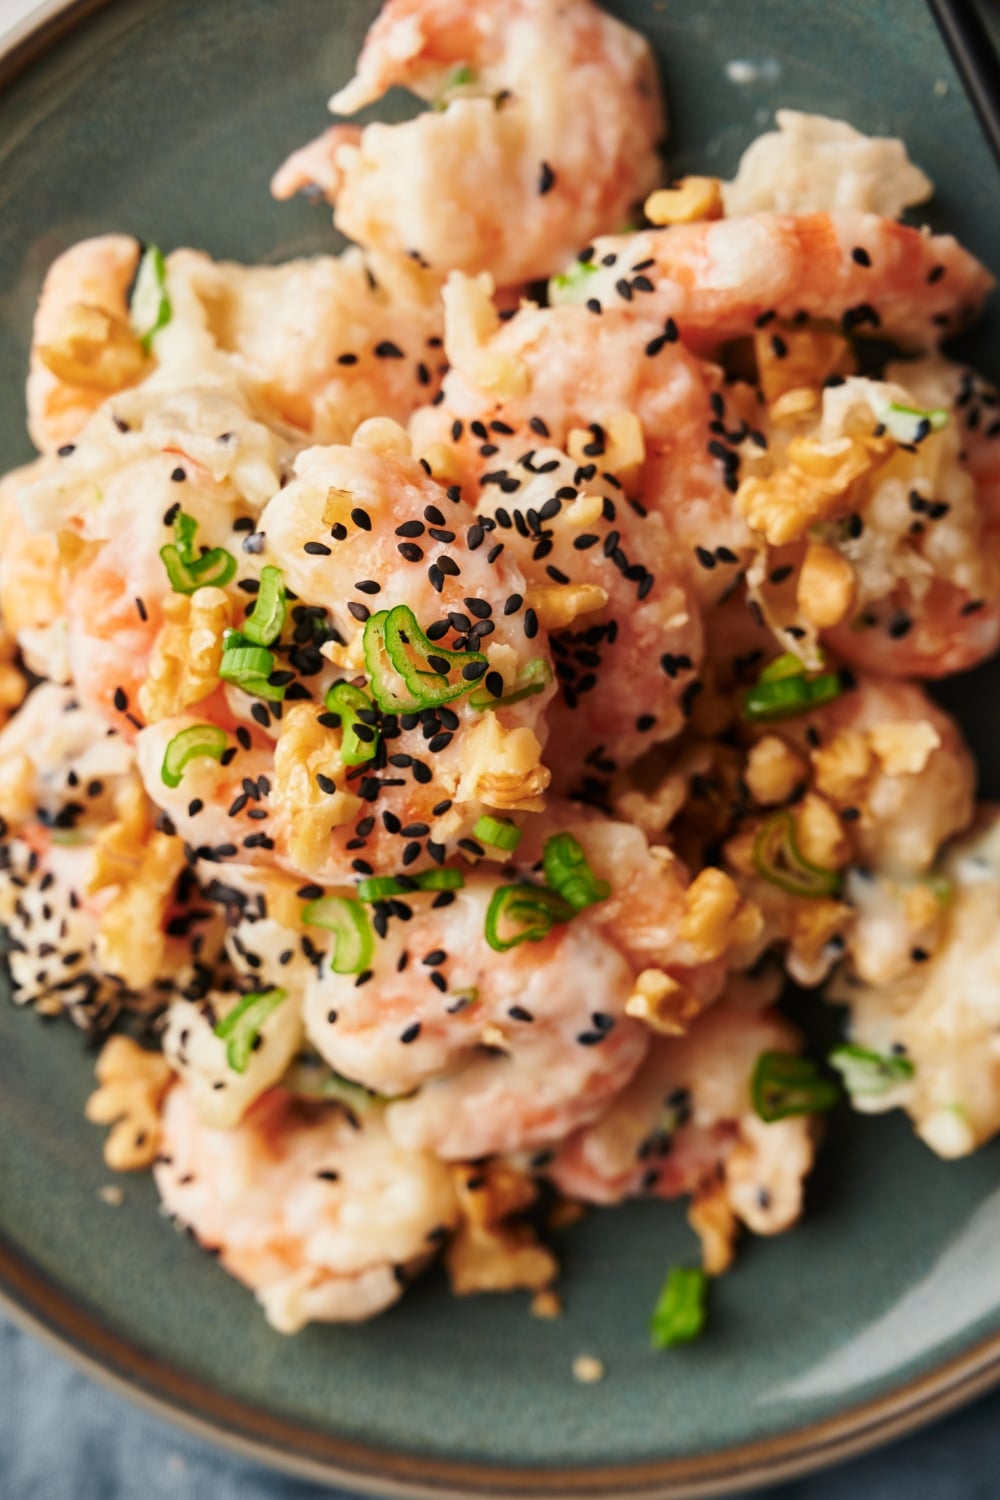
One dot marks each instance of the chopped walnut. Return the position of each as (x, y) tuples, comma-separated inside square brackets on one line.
[(502, 767), (487, 1254), (558, 605), (773, 771), (813, 922), (546, 1304), (131, 940), (663, 1003), (118, 847), (716, 1226), (842, 767), (904, 748), (304, 749), (716, 916), (797, 359), (826, 587), (588, 1369), (94, 349), (382, 435), (184, 664), (819, 833), (132, 1086), (692, 199), (31, 581), (815, 484), (800, 401)]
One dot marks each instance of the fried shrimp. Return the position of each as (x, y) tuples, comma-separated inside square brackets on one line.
[(513, 169), (323, 1215), (722, 279)]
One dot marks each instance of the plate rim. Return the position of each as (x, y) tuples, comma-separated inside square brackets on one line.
[(38, 1304)]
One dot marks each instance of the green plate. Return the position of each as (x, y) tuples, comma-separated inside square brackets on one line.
[(165, 118)]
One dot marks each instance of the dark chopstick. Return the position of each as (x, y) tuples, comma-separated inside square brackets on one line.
[(973, 54)]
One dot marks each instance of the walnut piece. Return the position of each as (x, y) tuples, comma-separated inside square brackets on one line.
[(773, 771), (716, 1226), (184, 664), (131, 941), (663, 1003), (487, 1254), (692, 199), (716, 915), (94, 349), (305, 748), (132, 1086), (502, 767), (558, 605), (814, 485), (826, 587)]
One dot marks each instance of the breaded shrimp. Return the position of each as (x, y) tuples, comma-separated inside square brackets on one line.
[(322, 1215), (544, 134)]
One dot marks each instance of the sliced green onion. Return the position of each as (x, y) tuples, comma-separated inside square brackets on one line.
[(533, 678), (784, 688), (188, 572), (867, 1074), (188, 745), (249, 667), (380, 887), (568, 873), (312, 1078), (911, 424), (458, 78), (149, 306), (569, 286), (523, 914), (349, 703), (266, 623), (397, 651), (785, 1084), (785, 665), (242, 1026), (681, 1308), (348, 921), (499, 833), (777, 858)]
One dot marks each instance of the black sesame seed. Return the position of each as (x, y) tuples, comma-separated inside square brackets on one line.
[(546, 179)]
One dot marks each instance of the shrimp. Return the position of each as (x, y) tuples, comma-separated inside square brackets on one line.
[(551, 374), (507, 1049), (323, 1216), (66, 786), (357, 525), (929, 1033), (686, 1125), (107, 508), (82, 346), (318, 345), (875, 544), (722, 279), (515, 168)]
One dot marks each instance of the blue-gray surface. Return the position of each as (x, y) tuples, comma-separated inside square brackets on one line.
[(62, 1437)]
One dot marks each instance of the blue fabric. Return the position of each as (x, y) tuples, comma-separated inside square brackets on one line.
[(62, 1437)]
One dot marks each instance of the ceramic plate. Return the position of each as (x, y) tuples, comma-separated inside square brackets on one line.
[(165, 118)]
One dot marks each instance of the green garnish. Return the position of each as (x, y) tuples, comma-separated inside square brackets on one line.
[(867, 1074), (249, 667), (265, 625), (568, 286), (911, 424), (523, 914), (149, 305), (499, 833), (785, 1084), (190, 744), (681, 1308), (397, 651), (311, 1078), (568, 873), (242, 1026), (188, 572), (777, 859), (533, 678), (359, 737), (458, 78), (348, 921), (380, 887), (785, 688)]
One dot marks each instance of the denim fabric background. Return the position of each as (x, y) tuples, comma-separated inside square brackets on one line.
[(64, 1438)]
